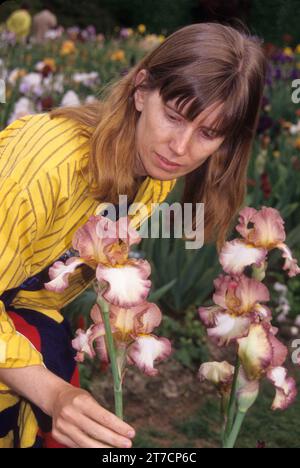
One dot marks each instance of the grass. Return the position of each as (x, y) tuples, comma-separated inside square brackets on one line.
[(278, 429)]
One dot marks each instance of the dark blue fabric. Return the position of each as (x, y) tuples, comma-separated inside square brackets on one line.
[(9, 422), (34, 283)]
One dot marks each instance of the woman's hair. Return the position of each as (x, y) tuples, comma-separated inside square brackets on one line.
[(201, 65)]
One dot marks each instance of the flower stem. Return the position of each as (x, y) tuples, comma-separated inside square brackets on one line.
[(232, 401), (118, 394), (230, 441)]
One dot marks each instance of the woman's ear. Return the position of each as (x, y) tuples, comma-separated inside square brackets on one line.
[(139, 94)]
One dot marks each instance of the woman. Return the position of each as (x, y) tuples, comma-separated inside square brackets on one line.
[(189, 109)]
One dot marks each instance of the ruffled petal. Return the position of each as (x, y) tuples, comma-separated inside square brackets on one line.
[(84, 340), (146, 350), (255, 351), (149, 318), (245, 217), (126, 232), (135, 320), (279, 351), (95, 314), (250, 291), (128, 286), (290, 263), (239, 294), (96, 331), (208, 315), (101, 349), (228, 328), (94, 237), (262, 313), (83, 345), (216, 372), (223, 284), (268, 228), (236, 255), (286, 391), (59, 274)]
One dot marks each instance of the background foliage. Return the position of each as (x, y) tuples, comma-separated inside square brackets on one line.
[(270, 18)]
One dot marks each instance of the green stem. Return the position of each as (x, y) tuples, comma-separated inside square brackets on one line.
[(230, 441), (118, 394), (232, 401)]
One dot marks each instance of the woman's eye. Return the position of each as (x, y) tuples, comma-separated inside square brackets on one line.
[(209, 136), (172, 118)]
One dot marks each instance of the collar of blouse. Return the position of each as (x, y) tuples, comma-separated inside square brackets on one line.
[(150, 192)]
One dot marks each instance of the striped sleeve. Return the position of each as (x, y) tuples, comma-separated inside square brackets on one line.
[(11, 130), (17, 232)]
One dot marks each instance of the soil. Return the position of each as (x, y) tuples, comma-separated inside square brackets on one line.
[(154, 406)]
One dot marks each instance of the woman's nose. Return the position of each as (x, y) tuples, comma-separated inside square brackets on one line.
[(180, 141)]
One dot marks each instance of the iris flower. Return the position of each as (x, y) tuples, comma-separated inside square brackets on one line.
[(104, 245), (132, 332), (238, 303), (261, 232), (262, 354)]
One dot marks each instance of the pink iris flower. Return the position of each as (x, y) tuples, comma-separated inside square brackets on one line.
[(104, 245), (238, 303), (262, 354), (261, 232), (132, 332)]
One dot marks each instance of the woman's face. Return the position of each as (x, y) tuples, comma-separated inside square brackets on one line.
[(164, 137)]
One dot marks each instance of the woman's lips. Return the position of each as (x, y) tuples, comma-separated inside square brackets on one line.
[(165, 162)]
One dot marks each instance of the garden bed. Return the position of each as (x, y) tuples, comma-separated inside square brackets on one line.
[(173, 409)]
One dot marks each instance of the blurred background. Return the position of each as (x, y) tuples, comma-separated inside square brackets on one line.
[(55, 53), (272, 19)]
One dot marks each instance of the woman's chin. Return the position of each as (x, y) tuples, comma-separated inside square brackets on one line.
[(160, 174)]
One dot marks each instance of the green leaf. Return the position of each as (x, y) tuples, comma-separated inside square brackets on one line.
[(156, 295)]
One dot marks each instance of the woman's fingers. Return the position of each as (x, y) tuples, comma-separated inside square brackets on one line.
[(79, 438), (63, 439), (107, 419), (103, 434), (78, 416)]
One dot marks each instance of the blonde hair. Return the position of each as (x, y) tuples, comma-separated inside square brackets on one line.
[(201, 64)]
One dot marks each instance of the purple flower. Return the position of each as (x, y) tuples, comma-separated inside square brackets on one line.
[(73, 29), (124, 33), (277, 74), (124, 71), (282, 58), (269, 81), (294, 74), (265, 122), (91, 30)]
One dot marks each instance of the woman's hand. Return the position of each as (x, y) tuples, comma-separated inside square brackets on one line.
[(80, 422)]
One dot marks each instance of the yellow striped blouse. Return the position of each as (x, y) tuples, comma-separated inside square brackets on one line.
[(43, 202)]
